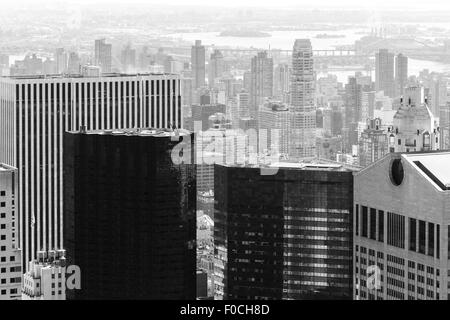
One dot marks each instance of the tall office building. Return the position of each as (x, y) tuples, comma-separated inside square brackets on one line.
[(414, 126), (272, 240), (283, 236), (261, 86), (10, 252), (352, 115), (130, 214), (384, 72), (303, 119), (49, 106), (198, 64), (215, 67), (401, 73), (103, 55), (401, 228)]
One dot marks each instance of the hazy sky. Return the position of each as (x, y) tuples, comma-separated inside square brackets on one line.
[(432, 5)]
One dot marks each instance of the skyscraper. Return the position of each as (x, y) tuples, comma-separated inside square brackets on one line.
[(10, 252), (130, 214), (49, 106), (303, 119), (215, 67), (384, 72), (283, 236), (401, 73), (401, 228), (261, 86), (198, 64), (103, 55), (373, 143)]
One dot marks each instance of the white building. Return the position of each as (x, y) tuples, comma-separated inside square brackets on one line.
[(46, 277), (10, 254), (414, 126), (49, 106)]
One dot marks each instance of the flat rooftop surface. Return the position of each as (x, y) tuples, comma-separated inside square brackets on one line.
[(435, 165)]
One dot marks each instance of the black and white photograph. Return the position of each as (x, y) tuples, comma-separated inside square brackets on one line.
[(225, 155)]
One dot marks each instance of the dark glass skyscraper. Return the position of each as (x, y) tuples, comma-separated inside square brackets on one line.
[(129, 214), (284, 236)]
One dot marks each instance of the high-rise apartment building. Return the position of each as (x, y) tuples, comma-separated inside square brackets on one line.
[(10, 253), (261, 81), (103, 55), (130, 213), (286, 235), (303, 119), (401, 74), (34, 114), (384, 72), (198, 64), (402, 228)]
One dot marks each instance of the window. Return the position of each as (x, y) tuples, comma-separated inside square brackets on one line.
[(2, 204), (3, 248), (2, 193), (3, 226), (2, 215), (421, 236), (412, 234), (381, 225), (431, 239), (396, 230), (373, 224), (364, 222)]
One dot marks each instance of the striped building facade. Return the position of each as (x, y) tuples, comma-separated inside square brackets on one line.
[(36, 111)]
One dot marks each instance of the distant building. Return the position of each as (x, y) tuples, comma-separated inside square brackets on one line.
[(130, 214), (283, 236), (401, 73), (46, 277), (414, 127), (215, 67), (261, 81), (303, 118), (36, 147), (198, 64), (274, 117), (401, 227), (384, 72), (103, 55), (10, 253), (373, 143), (444, 125)]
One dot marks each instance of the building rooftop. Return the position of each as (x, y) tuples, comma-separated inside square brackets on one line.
[(4, 167), (144, 132), (307, 164), (80, 76), (434, 165)]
